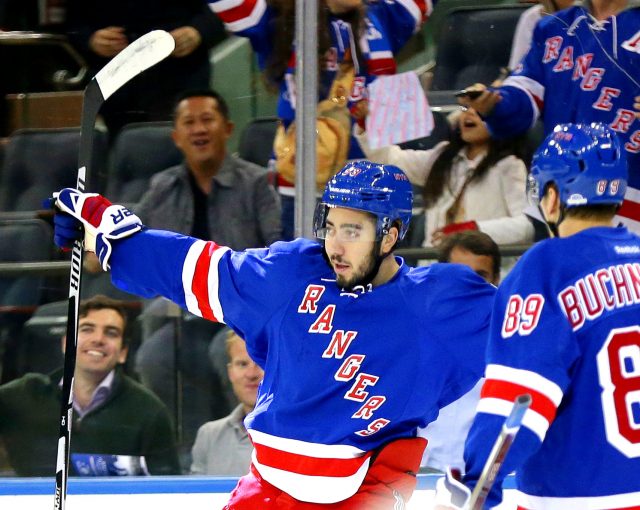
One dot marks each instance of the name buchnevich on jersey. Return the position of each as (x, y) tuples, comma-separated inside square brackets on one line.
[(606, 289), (350, 368)]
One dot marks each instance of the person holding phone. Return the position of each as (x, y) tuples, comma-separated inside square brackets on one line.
[(588, 56), (470, 182)]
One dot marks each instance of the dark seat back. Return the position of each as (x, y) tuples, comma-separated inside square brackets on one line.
[(474, 43), (24, 240), (38, 162), (140, 150), (256, 140)]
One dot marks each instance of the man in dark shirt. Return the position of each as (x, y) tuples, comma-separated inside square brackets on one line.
[(113, 414), (100, 30)]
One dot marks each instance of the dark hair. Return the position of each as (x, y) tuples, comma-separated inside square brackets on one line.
[(100, 302), (187, 94), (282, 32), (441, 169), (474, 241), (599, 212)]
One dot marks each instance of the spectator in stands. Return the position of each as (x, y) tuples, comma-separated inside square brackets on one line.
[(527, 22), (472, 182), (100, 30), (583, 66), (381, 28), (113, 414), (446, 435), (223, 447), (211, 195)]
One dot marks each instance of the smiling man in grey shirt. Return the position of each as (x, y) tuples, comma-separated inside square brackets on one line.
[(222, 447), (212, 194)]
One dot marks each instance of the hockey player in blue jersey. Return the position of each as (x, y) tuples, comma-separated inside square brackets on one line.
[(583, 66), (565, 328), (358, 349)]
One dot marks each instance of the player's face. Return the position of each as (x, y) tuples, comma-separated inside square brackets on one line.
[(350, 245), (472, 129), (100, 342), (244, 374), (200, 130), (481, 264)]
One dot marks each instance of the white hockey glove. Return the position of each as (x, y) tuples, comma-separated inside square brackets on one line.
[(451, 493), (102, 222)]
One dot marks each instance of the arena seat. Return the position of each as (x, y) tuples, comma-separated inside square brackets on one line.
[(140, 150), (473, 46), (256, 140), (38, 162)]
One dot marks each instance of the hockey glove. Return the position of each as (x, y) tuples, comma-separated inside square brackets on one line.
[(451, 494), (102, 222)]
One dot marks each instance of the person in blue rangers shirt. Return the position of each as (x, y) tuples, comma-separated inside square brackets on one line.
[(358, 349), (565, 329), (583, 66)]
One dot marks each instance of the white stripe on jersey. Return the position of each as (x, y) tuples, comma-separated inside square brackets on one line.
[(249, 21), (313, 489), (225, 5), (525, 378), (534, 421), (322, 451), (188, 271)]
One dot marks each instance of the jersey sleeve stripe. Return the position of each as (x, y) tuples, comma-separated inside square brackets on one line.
[(533, 380), (188, 271), (419, 10), (240, 17), (531, 420), (508, 391), (534, 89), (200, 280)]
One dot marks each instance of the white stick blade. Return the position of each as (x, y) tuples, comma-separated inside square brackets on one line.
[(139, 56)]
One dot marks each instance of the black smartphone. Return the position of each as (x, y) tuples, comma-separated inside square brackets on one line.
[(471, 94)]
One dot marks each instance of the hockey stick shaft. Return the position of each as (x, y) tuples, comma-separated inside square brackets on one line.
[(137, 57), (499, 452)]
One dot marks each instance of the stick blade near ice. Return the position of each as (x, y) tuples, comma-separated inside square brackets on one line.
[(139, 56)]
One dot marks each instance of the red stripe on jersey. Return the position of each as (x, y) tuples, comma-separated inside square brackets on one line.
[(422, 5), (540, 403), (630, 210), (243, 10), (200, 283), (381, 66), (310, 466)]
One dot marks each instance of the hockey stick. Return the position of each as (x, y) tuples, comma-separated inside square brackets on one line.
[(499, 451), (141, 54)]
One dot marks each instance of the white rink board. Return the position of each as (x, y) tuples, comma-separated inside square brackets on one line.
[(159, 493)]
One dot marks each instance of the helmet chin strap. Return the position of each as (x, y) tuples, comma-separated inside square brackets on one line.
[(553, 225)]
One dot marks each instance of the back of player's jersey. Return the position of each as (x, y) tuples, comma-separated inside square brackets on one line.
[(566, 328)]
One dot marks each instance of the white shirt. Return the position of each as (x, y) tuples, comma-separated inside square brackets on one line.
[(495, 202)]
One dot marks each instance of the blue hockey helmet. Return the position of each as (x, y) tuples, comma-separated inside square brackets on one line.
[(382, 190), (586, 163)]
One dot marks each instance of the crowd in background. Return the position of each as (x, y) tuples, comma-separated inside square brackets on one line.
[(471, 185)]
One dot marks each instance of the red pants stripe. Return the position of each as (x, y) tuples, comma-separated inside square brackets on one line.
[(391, 479)]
